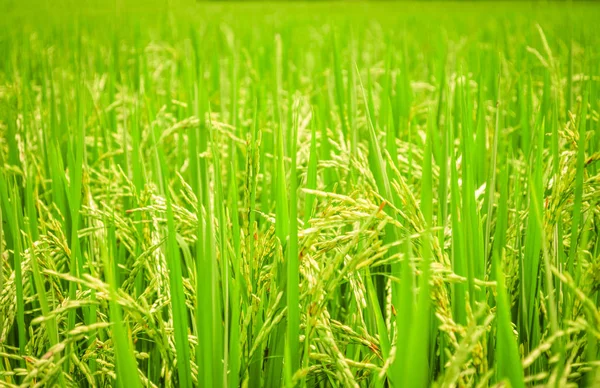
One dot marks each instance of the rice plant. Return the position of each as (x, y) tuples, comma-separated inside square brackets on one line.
[(299, 194)]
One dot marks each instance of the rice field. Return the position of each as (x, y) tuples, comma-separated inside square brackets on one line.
[(300, 194)]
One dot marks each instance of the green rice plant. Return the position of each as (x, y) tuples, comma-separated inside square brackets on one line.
[(358, 194)]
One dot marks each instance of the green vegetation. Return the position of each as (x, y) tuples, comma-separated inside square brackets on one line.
[(319, 195)]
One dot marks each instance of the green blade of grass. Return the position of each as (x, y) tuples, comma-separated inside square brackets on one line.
[(178, 305), (293, 276), (507, 353), (205, 267), (311, 175), (127, 371), (17, 262)]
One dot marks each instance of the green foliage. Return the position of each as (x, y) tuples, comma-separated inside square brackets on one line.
[(289, 194)]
